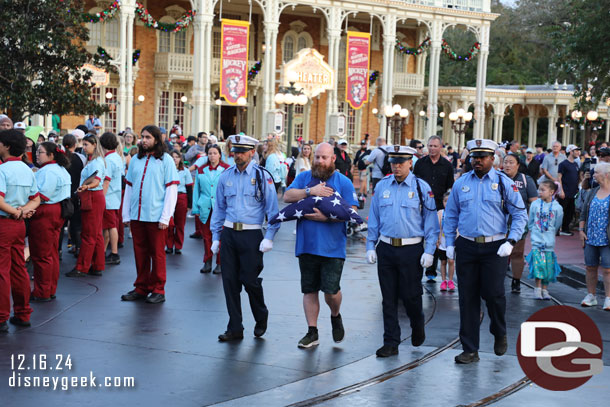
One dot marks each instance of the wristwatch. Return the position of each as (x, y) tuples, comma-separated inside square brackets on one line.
[(307, 191), (511, 241)]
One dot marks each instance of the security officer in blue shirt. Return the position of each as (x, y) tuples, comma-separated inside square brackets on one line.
[(479, 206), (402, 216), (244, 196)]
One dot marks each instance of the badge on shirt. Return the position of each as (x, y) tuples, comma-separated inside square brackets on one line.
[(411, 194), (229, 183), (253, 181), (465, 188), (386, 194), (494, 186)]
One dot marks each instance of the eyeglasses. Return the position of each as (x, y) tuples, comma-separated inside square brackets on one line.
[(40, 152), (419, 147)]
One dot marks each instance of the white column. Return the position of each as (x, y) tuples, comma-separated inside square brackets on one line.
[(608, 126), (333, 32), (198, 62), (48, 123), (552, 126), (435, 56), (122, 95), (271, 26), (129, 9), (533, 128), (479, 105), (389, 41), (497, 133), (206, 75)]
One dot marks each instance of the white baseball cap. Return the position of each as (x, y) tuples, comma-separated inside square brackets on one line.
[(79, 134), (19, 125)]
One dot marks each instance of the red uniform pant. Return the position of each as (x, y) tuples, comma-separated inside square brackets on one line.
[(92, 239), (207, 240), (46, 225), (148, 247), (14, 278), (175, 231), (198, 226)]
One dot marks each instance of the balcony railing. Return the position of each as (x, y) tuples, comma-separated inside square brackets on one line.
[(181, 66), (470, 5), (407, 83)]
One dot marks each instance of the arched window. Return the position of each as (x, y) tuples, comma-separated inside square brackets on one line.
[(104, 34), (180, 42), (174, 42), (112, 33), (164, 41), (301, 43), (288, 48)]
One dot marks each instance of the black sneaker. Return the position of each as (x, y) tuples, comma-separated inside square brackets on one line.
[(196, 236), (3, 327), (19, 322), (113, 259), (207, 267), (386, 351), (217, 270), (515, 286), (75, 273), (309, 340), (466, 358), (133, 295), (338, 331), (169, 251)]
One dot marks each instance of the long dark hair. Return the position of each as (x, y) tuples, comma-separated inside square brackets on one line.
[(68, 142), (159, 147), (180, 163), (58, 154)]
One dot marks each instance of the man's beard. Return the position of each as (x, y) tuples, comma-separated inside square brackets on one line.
[(322, 172), (146, 150)]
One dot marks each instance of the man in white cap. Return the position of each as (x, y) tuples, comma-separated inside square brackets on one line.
[(244, 196), (402, 216), (479, 206), (20, 126), (343, 163)]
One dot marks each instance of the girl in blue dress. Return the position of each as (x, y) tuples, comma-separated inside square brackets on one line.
[(545, 220)]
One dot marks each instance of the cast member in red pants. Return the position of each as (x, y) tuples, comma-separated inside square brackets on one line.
[(54, 186), (150, 200), (92, 205), (18, 200), (175, 232)]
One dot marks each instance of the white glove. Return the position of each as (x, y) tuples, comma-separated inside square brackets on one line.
[(266, 245), (215, 246), (426, 260), (371, 256), (450, 252), (505, 249)]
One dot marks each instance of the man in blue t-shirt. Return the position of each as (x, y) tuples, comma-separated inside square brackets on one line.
[(321, 241)]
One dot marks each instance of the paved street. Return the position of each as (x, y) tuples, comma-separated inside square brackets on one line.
[(172, 352)]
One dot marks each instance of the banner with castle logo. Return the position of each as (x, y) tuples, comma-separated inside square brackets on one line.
[(234, 60), (357, 69)]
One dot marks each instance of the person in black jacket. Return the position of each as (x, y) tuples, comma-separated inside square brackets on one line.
[(343, 163), (438, 173), (532, 165), (76, 167)]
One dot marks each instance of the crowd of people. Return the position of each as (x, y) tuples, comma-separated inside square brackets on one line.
[(472, 211)]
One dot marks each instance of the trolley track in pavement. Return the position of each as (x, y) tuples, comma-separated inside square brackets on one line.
[(356, 387)]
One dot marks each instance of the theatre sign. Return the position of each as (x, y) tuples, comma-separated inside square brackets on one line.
[(313, 75)]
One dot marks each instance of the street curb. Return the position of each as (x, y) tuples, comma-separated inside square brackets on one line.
[(578, 274)]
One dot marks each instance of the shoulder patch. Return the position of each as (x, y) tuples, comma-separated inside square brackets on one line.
[(431, 194), (515, 188)]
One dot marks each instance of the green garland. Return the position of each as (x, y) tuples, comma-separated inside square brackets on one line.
[(256, 68), (373, 77), (444, 46), (148, 20), (100, 17)]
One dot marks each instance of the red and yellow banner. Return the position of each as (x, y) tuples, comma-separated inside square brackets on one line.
[(357, 69), (234, 60)]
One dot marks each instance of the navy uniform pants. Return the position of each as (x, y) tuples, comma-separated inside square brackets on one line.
[(400, 277), (242, 263), (481, 274)]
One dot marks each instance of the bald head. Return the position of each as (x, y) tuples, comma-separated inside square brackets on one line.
[(325, 149)]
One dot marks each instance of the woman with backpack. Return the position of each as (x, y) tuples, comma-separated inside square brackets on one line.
[(529, 193)]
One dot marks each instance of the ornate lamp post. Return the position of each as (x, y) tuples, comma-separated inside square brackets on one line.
[(459, 122), (396, 117), (289, 95)]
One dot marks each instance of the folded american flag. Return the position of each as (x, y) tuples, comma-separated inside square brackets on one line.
[(334, 207)]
